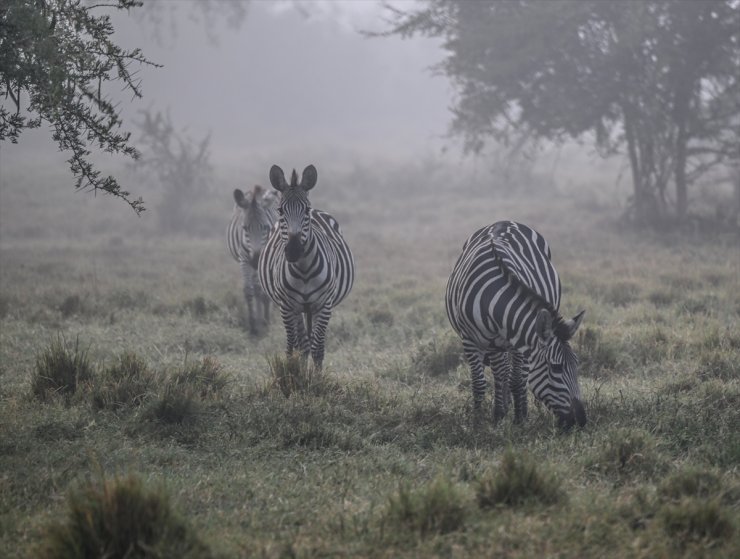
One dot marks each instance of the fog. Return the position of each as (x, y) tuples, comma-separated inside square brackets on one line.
[(293, 83)]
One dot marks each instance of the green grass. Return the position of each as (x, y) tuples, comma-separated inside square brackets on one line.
[(380, 454)]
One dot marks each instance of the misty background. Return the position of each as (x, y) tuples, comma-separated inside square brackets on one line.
[(285, 82)]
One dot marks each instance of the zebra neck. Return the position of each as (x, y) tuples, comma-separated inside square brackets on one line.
[(306, 261)]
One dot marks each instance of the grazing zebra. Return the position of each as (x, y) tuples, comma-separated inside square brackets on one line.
[(254, 215), (306, 266), (502, 299)]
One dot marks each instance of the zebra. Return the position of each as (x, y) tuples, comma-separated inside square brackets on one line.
[(502, 299), (253, 217), (306, 266)]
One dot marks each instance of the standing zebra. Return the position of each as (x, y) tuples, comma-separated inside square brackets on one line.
[(306, 266), (254, 215), (502, 299)]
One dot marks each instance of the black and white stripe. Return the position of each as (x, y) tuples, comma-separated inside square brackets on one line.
[(254, 215), (503, 300), (306, 266)]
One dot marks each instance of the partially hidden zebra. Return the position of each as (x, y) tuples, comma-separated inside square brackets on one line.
[(503, 300), (306, 266), (254, 216)]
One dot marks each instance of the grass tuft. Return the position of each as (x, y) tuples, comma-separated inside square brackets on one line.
[(691, 482), (123, 385), (60, 369), (120, 518), (293, 374), (518, 480), (439, 356), (437, 508), (628, 453), (696, 520), (595, 353)]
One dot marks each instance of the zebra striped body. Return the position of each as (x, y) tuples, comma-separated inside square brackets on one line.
[(306, 266), (253, 218), (502, 299)]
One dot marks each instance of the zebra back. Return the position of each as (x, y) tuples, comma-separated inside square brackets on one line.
[(525, 255)]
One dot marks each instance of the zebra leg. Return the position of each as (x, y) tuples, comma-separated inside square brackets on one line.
[(501, 369), (474, 357), (250, 281), (519, 386), (293, 332), (318, 336)]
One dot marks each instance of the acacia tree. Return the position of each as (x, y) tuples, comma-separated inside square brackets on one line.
[(56, 57), (660, 78), (180, 164)]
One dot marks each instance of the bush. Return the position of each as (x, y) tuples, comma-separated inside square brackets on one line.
[(437, 508), (518, 480), (438, 356), (60, 370), (120, 519)]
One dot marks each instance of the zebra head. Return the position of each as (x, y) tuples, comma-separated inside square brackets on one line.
[(294, 210), (257, 218), (554, 377)]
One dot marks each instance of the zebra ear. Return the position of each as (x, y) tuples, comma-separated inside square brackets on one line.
[(574, 323), (543, 325), (277, 178), (309, 178), (239, 198)]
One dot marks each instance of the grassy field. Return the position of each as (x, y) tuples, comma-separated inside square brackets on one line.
[(380, 456)]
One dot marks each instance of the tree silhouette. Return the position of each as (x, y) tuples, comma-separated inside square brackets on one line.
[(660, 78)]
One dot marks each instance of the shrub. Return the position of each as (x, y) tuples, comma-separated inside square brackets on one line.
[(438, 356), (437, 508), (518, 480), (120, 518), (60, 369), (124, 384)]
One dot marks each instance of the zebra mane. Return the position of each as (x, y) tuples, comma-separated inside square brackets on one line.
[(294, 178), (561, 330)]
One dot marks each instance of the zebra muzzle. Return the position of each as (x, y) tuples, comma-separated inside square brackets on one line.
[(575, 415), (294, 248)]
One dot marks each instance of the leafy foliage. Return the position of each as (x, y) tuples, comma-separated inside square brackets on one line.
[(55, 57)]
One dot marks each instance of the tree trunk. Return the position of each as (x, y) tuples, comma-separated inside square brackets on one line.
[(680, 116), (642, 198)]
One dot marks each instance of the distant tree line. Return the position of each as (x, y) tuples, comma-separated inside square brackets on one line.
[(658, 80)]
